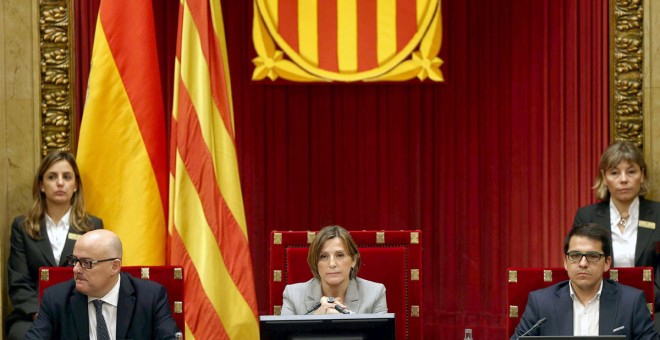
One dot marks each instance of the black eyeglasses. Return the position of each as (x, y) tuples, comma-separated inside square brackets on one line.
[(576, 256), (85, 263)]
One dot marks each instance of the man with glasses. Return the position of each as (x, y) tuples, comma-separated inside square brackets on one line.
[(587, 304), (101, 302)]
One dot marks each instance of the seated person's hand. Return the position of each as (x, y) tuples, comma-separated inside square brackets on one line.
[(328, 306)]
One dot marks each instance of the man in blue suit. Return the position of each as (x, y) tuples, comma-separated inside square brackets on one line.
[(101, 302), (587, 304)]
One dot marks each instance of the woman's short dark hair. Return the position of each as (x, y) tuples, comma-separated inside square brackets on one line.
[(325, 234), (616, 153), (592, 231)]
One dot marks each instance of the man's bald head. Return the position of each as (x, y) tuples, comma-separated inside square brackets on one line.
[(103, 240)]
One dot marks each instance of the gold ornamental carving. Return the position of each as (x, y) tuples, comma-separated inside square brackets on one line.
[(513, 276), (414, 275), (647, 275), (614, 275), (178, 273), (513, 311), (626, 60), (414, 237), (310, 237), (380, 237), (547, 275), (56, 74), (45, 275)]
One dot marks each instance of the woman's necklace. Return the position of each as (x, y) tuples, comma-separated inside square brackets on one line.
[(623, 222)]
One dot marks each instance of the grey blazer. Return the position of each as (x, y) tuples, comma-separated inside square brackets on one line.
[(362, 297)]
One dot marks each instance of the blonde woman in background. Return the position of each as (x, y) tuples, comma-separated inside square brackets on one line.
[(621, 184)]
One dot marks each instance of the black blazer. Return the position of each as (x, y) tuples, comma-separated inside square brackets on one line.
[(622, 312), (645, 253), (26, 255), (143, 312)]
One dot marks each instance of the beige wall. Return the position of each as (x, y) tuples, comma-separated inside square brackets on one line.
[(652, 93), (19, 125)]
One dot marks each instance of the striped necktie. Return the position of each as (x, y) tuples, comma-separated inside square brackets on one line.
[(101, 327)]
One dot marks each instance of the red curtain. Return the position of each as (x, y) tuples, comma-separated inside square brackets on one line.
[(491, 164)]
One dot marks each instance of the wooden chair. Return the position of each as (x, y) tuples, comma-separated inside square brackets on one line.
[(169, 276), (522, 281), (393, 258)]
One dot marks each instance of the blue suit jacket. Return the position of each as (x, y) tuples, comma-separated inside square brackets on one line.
[(620, 305), (645, 251), (142, 312)]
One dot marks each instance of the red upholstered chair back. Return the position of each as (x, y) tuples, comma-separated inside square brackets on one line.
[(169, 276), (522, 281), (393, 258)]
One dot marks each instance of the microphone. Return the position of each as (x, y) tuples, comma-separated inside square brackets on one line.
[(314, 307), (536, 325), (342, 310)]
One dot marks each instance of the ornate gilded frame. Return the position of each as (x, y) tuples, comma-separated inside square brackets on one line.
[(57, 95), (626, 69), (56, 77)]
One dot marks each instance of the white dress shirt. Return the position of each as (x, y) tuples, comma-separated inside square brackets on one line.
[(624, 243), (110, 301), (586, 317), (57, 233)]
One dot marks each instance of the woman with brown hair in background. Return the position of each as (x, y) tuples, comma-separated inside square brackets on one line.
[(45, 236)]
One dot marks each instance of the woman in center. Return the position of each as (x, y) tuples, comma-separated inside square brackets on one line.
[(334, 260)]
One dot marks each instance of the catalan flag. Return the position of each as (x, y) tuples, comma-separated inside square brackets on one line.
[(207, 227), (122, 151)]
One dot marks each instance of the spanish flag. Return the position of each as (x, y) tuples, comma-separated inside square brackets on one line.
[(207, 227), (122, 151)]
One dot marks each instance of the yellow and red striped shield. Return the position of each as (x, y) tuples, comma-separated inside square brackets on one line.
[(347, 40)]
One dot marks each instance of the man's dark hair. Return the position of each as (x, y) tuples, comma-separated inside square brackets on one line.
[(594, 232)]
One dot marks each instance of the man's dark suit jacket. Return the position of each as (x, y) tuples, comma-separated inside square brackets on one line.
[(143, 312), (645, 251), (621, 307), (26, 255)]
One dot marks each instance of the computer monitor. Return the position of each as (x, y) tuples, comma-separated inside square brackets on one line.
[(334, 326)]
